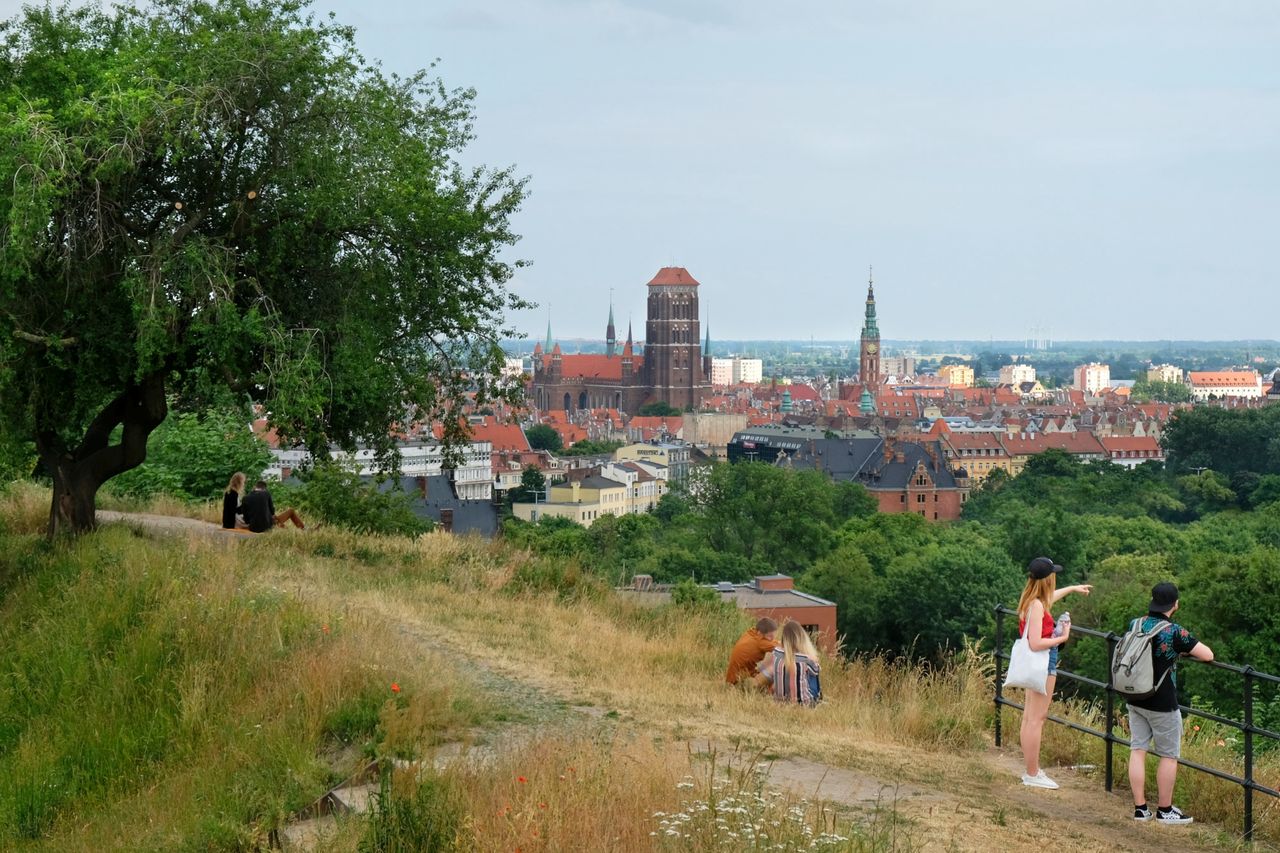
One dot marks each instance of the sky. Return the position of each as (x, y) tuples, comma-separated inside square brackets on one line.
[(1079, 170)]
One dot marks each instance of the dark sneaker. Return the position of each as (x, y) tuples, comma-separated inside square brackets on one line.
[(1143, 813), (1173, 817)]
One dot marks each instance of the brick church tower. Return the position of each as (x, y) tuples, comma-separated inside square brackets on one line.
[(673, 367)]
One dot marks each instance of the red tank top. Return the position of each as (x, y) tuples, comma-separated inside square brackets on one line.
[(1046, 626)]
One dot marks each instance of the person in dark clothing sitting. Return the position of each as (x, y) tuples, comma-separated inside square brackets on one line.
[(231, 515), (260, 511)]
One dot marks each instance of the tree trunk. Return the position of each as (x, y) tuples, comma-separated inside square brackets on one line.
[(78, 474)]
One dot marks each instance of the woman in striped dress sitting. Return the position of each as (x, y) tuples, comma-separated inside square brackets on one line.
[(793, 670)]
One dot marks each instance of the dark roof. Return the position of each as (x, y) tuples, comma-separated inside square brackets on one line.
[(598, 482), (468, 516), (862, 460)]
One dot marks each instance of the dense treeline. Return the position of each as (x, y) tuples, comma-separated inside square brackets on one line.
[(1209, 521)]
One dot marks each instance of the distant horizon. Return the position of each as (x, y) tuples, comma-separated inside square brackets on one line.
[(1002, 343)]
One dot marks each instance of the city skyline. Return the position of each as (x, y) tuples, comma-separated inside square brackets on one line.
[(1105, 170)]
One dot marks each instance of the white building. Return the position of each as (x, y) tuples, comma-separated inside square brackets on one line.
[(472, 479), (1093, 377), (721, 371), (731, 371), (1219, 384), (1016, 374), (1164, 373)]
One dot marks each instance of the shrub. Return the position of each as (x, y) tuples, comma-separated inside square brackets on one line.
[(338, 495)]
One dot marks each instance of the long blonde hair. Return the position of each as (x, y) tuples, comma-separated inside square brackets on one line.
[(236, 484), (1041, 590), (795, 640)]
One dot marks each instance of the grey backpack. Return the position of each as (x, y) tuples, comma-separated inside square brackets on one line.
[(1133, 667)]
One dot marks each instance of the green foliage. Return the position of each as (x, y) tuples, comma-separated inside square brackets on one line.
[(690, 594), (904, 585), (163, 663), (532, 484), (337, 495), (1224, 440), (1145, 391), (207, 196), (659, 409), (772, 516), (192, 457), (410, 815), (543, 437), (587, 447)]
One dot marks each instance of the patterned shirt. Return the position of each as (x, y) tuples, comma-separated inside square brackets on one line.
[(1171, 643)]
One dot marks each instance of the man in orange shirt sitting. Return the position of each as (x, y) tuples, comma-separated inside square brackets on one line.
[(750, 649)]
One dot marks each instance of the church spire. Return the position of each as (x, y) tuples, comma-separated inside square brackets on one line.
[(610, 336), (869, 328), (547, 347)]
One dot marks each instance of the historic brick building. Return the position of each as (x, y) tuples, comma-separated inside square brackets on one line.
[(671, 369)]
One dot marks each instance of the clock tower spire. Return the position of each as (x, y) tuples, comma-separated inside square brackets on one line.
[(869, 354)]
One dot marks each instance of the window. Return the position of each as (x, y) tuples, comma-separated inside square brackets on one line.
[(902, 498), (919, 499)]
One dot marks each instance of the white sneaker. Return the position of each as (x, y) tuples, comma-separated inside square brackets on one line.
[(1039, 780)]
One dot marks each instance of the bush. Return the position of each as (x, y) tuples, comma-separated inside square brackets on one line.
[(191, 456), (338, 495)]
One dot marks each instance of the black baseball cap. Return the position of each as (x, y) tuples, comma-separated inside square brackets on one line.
[(1163, 597), (1041, 567)]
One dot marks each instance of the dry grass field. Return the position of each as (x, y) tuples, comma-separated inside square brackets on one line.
[(183, 693)]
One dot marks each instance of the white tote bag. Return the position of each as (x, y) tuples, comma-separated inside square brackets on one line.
[(1027, 669)]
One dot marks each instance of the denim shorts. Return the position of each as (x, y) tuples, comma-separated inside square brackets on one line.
[(1053, 660)]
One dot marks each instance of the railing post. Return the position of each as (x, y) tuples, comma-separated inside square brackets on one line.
[(999, 646), (1110, 739), (1248, 752)]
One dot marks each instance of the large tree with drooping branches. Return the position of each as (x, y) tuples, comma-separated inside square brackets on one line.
[(208, 196)]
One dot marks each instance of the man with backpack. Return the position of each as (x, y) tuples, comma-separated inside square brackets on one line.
[(1144, 671)]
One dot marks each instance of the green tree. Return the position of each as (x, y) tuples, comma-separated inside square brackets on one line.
[(192, 457), (659, 409), (532, 484), (1144, 391), (543, 437), (200, 196), (781, 518), (845, 576)]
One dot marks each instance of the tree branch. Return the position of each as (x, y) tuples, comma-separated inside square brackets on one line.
[(46, 342)]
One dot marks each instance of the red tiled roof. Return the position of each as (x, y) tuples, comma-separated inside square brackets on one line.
[(973, 440), (673, 275), (1128, 442), (805, 393), (1223, 378), (593, 366), (672, 423), (501, 435)]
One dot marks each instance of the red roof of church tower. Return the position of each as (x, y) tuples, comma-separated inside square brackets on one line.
[(673, 275)]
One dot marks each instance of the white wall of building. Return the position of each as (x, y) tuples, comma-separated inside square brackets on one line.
[(472, 480)]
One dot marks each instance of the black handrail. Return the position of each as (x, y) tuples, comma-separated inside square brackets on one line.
[(1248, 676)]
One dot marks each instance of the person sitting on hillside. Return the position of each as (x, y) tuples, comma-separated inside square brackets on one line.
[(794, 671), (260, 511), (750, 649), (232, 518)]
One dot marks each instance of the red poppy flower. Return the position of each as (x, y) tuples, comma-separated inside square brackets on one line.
[(521, 779), (395, 688)]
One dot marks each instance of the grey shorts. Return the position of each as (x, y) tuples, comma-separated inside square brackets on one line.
[(1156, 731)]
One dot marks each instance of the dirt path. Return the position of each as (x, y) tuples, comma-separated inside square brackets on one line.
[(972, 802)]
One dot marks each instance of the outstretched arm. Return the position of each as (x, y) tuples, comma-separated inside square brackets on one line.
[(1082, 588)]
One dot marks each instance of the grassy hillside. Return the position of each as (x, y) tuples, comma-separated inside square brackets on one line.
[(172, 694)]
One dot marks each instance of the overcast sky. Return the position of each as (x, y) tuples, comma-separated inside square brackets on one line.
[(1098, 169)]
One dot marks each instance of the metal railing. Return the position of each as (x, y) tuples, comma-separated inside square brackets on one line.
[(1248, 676)]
